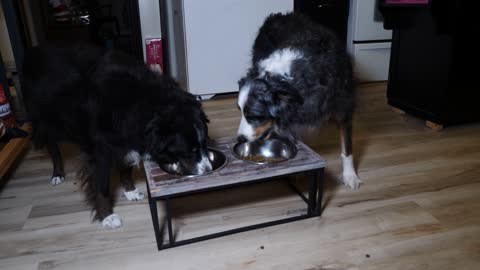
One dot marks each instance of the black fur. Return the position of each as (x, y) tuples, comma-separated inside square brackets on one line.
[(108, 104), (320, 83)]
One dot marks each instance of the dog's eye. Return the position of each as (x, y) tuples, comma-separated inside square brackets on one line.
[(194, 150)]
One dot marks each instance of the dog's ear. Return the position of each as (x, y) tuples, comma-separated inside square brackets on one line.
[(201, 127), (281, 100), (277, 91), (283, 93), (157, 138), (284, 97)]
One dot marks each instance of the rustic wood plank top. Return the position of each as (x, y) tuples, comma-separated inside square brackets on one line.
[(234, 172), (10, 152)]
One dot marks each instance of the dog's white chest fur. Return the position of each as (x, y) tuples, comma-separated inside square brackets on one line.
[(279, 62)]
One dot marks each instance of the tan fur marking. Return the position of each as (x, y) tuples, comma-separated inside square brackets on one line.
[(261, 129)]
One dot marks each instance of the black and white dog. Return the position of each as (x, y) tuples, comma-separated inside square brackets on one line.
[(301, 75), (117, 112)]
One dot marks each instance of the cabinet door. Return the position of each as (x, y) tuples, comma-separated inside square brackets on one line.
[(371, 61), (219, 35)]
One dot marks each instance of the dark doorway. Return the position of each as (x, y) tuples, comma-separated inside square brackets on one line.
[(107, 23)]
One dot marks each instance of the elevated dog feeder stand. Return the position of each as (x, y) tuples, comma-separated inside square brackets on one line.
[(164, 187)]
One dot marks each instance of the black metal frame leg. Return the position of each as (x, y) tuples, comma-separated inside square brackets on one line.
[(156, 224), (320, 175), (168, 217), (314, 208), (312, 193)]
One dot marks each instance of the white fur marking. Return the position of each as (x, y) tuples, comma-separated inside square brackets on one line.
[(243, 96), (134, 195), (112, 222), (279, 62), (204, 165), (245, 128), (132, 158), (175, 166), (350, 177), (57, 180)]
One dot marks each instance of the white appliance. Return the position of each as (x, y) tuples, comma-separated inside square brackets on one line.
[(368, 42), (212, 40)]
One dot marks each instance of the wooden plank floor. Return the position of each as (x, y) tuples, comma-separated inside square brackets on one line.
[(419, 208)]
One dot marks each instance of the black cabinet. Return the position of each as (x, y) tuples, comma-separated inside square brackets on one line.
[(434, 64)]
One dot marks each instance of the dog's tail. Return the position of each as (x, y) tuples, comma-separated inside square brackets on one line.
[(92, 189)]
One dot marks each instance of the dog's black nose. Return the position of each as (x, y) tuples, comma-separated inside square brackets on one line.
[(241, 139)]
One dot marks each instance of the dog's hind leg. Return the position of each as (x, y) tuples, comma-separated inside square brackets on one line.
[(350, 177), (96, 179), (58, 175), (131, 192)]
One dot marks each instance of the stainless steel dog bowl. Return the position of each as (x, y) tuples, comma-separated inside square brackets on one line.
[(216, 157), (265, 151)]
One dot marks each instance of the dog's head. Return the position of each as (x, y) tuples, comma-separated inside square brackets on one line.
[(263, 103), (180, 137)]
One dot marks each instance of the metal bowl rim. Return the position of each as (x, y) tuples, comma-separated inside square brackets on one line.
[(262, 163), (210, 172)]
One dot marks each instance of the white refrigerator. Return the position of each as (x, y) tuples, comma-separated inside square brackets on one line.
[(210, 41), (368, 42)]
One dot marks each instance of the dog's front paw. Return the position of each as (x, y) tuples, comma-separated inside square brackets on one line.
[(134, 195), (112, 222), (352, 180), (55, 180)]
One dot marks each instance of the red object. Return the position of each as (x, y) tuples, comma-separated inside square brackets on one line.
[(408, 2), (6, 113), (154, 54), (61, 10)]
